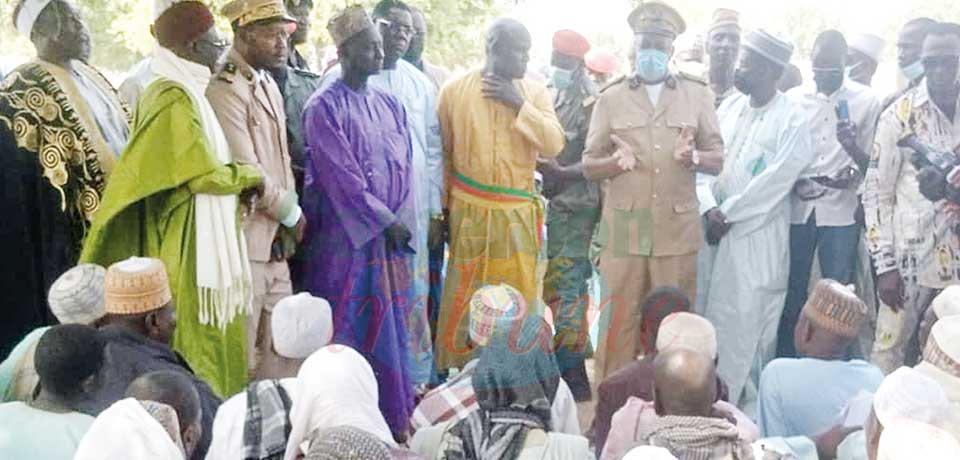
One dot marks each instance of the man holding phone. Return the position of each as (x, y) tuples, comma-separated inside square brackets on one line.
[(842, 115)]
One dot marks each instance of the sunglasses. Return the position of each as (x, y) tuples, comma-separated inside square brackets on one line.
[(397, 28)]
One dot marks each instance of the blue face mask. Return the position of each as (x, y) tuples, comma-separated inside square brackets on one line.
[(913, 71), (561, 78), (651, 65)]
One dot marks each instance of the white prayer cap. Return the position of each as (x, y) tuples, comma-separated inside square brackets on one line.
[(687, 331), (77, 296), (947, 303), (868, 44), (649, 453), (160, 6), (28, 14), (908, 394), (774, 46), (301, 324), (912, 440), (941, 356)]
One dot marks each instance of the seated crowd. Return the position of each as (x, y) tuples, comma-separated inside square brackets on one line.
[(105, 384)]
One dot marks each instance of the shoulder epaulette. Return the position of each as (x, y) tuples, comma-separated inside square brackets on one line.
[(612, 83), (228, 72), (694, 78)]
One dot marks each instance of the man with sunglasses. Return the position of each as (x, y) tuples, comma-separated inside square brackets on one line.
[(911, 238), (842, 115), (250, 109), (419, 97)]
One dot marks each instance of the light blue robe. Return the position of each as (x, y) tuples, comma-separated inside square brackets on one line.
[(804, 397)]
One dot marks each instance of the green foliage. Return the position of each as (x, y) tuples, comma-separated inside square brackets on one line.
[(121, 29)]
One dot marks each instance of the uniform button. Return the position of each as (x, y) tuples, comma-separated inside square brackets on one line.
[(656, 147), (654, 196), (629, 124), (656, 171)]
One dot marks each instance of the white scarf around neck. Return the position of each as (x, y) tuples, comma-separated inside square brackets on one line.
[(223, 268)]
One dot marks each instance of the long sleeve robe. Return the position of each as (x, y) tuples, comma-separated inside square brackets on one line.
[(358, 184), (766, 150), (495, 229), (419, 98), (149, 210)]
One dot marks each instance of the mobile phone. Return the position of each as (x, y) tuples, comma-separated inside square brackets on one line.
[(843, 110)]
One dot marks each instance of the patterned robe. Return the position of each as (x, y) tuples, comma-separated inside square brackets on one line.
[(54, 164)]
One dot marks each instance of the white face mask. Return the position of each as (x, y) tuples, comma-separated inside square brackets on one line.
[(913, 71)]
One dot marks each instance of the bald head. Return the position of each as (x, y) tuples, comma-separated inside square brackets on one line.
[(685, 383), (171, 388), (508, 48)]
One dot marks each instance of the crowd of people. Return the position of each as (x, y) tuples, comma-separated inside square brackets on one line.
[(235, 257)]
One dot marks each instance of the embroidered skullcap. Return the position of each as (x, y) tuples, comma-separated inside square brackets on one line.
[(182, 23), (346, 443), (912, 440), (137, 285), (656, 17), (687, 331), (942, 350), (602, 61), (491, 304), (947, 303), (348, 22), (868, 44), (908, 394), (27, 16), (649, 453), (725, 17), (243, 12), (835, 308), (301, 324), (77, 295), (772, 46), (570, 43)]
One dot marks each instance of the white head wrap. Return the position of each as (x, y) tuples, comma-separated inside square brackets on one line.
[(161, 6), (77, 296), (127, 431), (649, 453), (335, 386), (912, 440), (28, 14), (869, 44), (301, 324), (947, 303), (687, 331), (908, 394)]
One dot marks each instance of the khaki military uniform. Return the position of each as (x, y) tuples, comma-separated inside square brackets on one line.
[(251, 111), (650, 225)]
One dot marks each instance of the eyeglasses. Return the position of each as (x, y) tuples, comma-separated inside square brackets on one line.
[(397, 28)]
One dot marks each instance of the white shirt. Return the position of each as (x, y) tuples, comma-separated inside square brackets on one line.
[(837, 207), (653, 92)]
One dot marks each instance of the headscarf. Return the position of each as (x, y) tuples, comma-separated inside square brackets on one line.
[(127, 431), (335, 386), (346, 443), (515, 380), (906, 393), (912, 440)]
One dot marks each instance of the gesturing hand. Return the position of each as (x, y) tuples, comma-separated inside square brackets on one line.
[(625, 155), (847, 134), (502, 90), (686, 144), (891, 290)]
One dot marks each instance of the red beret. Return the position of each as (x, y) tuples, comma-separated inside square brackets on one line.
[(570, 43), (183, 22), (602, 61)]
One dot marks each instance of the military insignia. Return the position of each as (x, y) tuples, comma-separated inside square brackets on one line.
[(228, 72)]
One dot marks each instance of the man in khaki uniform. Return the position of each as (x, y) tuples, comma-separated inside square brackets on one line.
[(250, 108), (643, 134)]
